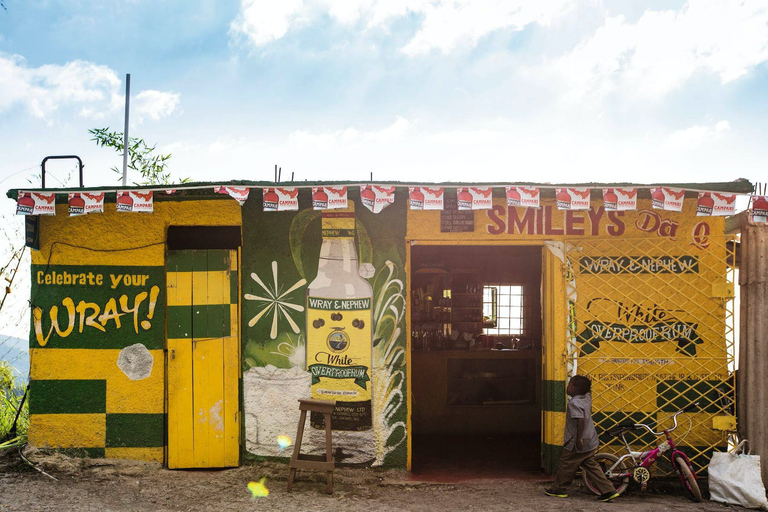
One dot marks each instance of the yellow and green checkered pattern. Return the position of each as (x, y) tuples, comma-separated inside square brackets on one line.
[(81, 401)]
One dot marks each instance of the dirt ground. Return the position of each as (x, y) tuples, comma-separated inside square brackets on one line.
[(109, 485)]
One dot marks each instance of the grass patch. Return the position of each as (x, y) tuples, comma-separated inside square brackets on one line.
[(11, 398)]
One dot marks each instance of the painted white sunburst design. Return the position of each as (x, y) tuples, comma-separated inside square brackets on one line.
[(276, 301)]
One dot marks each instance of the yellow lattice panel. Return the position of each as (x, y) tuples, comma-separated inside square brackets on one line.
[(650, 321)]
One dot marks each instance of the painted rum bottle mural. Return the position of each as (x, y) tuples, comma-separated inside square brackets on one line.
[(340, 336)]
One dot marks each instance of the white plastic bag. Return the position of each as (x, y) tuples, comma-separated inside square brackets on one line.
[(734, 478)]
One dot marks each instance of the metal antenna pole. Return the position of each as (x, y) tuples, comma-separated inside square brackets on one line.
[(125, 134)]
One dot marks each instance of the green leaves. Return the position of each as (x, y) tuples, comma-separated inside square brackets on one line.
[(10, 401), (141, 157)]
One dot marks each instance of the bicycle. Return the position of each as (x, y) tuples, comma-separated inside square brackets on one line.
[(619, 470)]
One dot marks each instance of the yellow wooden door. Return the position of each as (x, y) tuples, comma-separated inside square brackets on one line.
[(203, 359)]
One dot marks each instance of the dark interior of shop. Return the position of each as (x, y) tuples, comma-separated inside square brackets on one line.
[(476, 325)]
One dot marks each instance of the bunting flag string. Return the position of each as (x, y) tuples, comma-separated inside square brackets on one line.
[(572, 198), (667, 198), (279, 199), (36, 203), (714, 204), (239, 194), (378, 197), (619, 199), (426, 198), (135, 201), (474, 198), (759, 206), (83, 203), (523, 196), (329, 198)]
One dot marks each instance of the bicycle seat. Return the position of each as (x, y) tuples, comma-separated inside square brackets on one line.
[(622, 429)]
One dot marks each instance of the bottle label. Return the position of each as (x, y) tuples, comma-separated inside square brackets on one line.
[(24, 209), (416, 204), (270, 206), (368, 202), (339, 359)]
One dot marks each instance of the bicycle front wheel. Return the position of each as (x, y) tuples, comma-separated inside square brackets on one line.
[(688, 478), (605, 461)]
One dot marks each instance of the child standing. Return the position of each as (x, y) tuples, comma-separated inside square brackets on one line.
[(580, 443)]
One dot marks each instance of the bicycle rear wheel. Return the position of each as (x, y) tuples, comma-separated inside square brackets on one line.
[(605, 461), (688, 479)]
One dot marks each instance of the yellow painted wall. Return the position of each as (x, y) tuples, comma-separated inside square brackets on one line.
[(573, 297), (118, 230), (111, 425)]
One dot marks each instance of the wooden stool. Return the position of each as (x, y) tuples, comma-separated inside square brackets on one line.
[(304, 461)]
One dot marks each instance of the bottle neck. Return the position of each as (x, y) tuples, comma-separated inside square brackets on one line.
[(338, 255)]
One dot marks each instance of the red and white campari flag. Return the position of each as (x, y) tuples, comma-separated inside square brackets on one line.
[(239, 194), (620, 199), (474, 198), (329, 198), (426, 198), (572, 198), (667, 198), (281, 199), (376, 198), (134, 201), (82, 203), (715, 203), (36, 203), (523, 196), (759, 207)]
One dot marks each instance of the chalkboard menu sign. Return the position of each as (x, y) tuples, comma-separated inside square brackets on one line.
[(454, 221)]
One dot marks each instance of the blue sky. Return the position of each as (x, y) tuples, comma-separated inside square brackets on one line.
[(425, 89), (416, 90)]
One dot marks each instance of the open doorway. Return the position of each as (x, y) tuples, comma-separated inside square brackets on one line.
[(476, 334)]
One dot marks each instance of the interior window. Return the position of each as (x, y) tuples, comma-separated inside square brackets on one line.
[(502, 309)]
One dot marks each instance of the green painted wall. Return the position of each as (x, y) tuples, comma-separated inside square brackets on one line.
[(281, 252)]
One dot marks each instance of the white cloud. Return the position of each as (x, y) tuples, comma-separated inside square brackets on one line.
[(695, 136), (451, 24), (351, 136), (664, 49), (156, 104), (48, 88), (445, 24), (264, 21), (89, 90)]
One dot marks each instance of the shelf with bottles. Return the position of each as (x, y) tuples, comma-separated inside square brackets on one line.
[(468, 315), (432, 338), (431, 299)]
